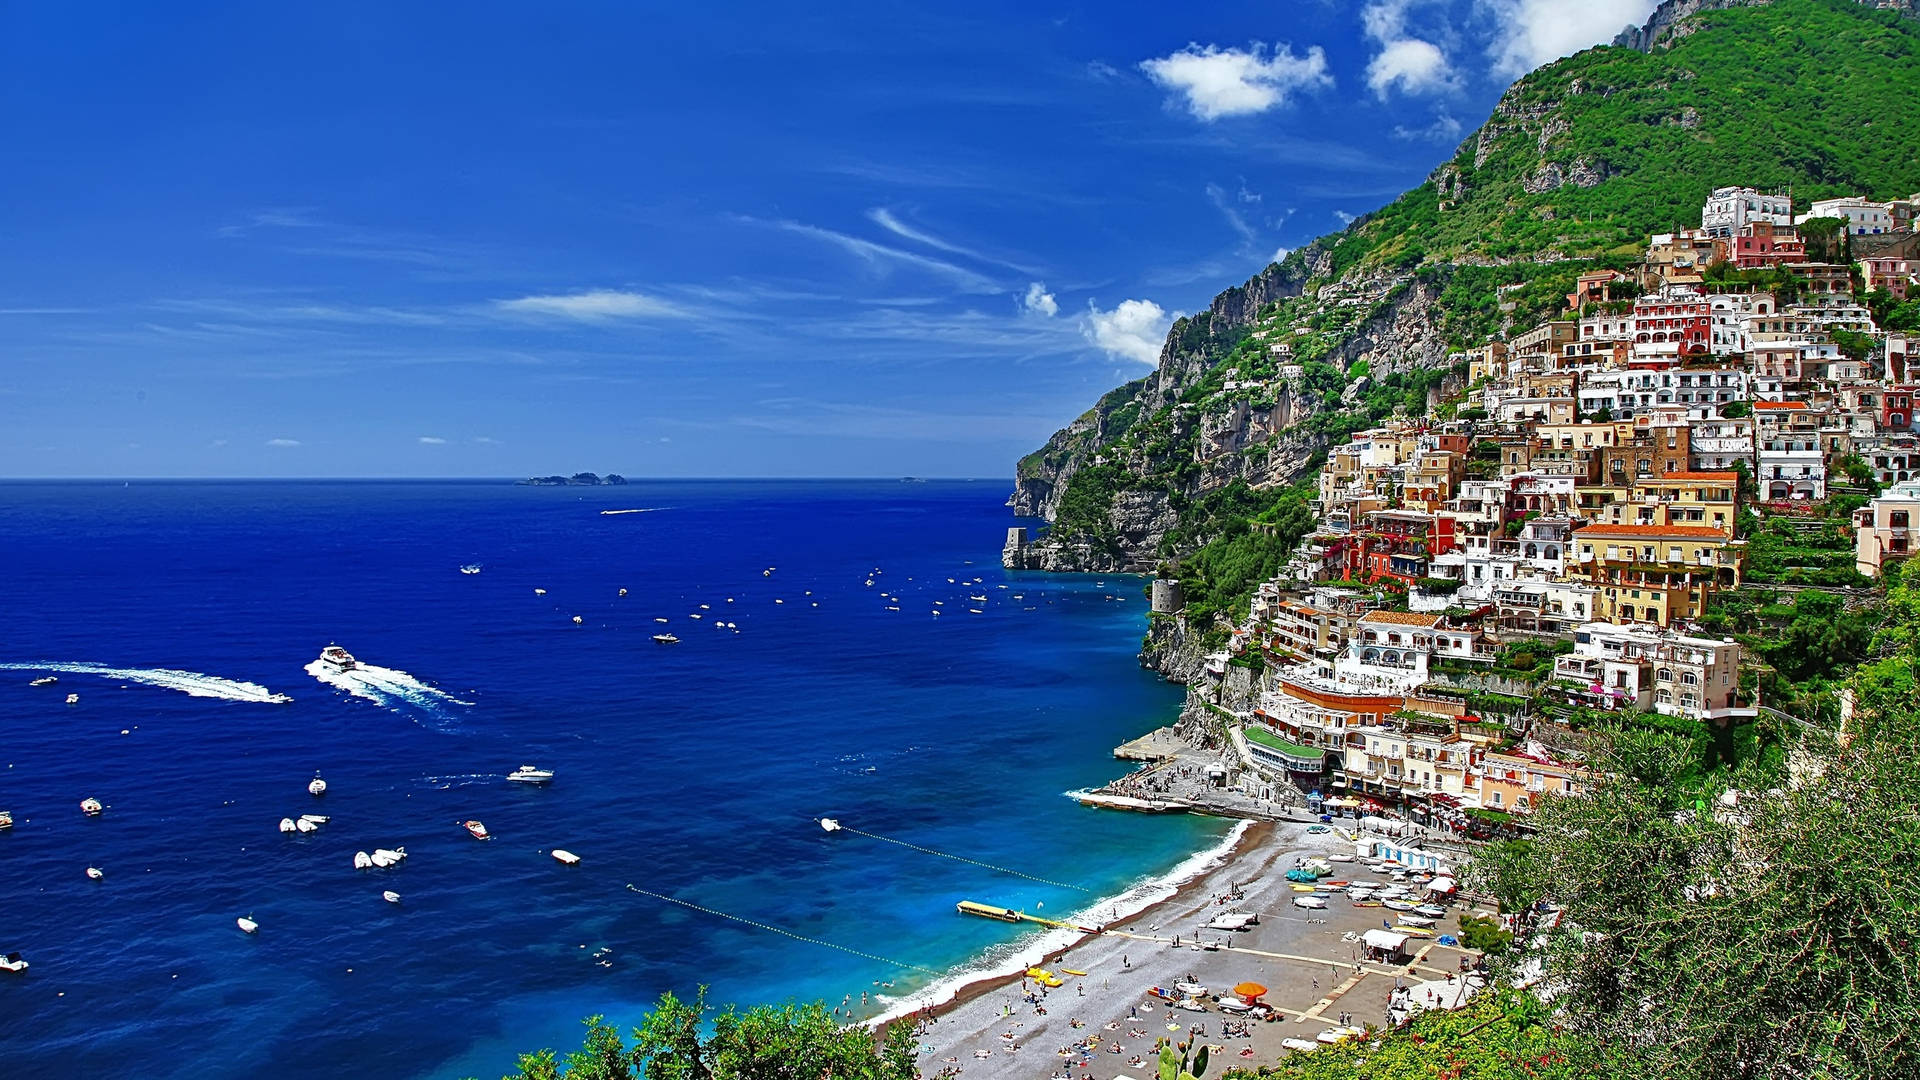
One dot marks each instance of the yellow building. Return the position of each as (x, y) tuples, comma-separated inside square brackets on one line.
[(1653, 573), (1710, 499)]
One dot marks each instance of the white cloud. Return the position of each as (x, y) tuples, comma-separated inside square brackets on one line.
[(1039, 301), (432, 440), (1132, 331), (283, 442), (486, 440), (1280, 254), (1411, 66), (1218, 82), (1533, 32), (595, 305), (1345, 218), (1443, 129)]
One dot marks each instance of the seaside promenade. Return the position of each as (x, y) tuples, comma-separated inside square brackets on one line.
[(1103, 1026)]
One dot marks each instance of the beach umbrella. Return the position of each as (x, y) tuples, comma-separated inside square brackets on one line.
[(1249, 990)]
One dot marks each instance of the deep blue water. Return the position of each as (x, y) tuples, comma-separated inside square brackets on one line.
[(696, 770)]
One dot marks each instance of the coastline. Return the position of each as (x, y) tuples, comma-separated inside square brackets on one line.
[(985, 976)]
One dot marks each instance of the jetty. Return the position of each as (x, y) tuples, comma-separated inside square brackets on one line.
[(1108, 801), (1006, 914)]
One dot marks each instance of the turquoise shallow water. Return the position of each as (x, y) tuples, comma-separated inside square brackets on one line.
[(696, 770)]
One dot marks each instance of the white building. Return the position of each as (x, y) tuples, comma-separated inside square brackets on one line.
[(1730, 209), (1863, 217), (1648, 669)]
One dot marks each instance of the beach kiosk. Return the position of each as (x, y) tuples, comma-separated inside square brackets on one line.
[(1385, 946)]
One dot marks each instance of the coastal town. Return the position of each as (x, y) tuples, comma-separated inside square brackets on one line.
[(1546, 549), (1554, 545)]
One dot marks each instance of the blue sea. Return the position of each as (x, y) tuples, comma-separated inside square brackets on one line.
[(696, 771)]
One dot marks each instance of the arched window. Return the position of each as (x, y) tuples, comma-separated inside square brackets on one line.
[(1688, 701), (1664, 675), (1663, 696), (1690, 678)]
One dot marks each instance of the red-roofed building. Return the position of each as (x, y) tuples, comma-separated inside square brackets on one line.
[(1654, 573)]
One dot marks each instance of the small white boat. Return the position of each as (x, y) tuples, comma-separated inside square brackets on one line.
[(539, 592), (96, 873), (1314, 903), (1340, 858), (247, 925), (623, 592), (306, 826), (91, 807), (6, 819), (316, 786), (565, 857), (385, 857), (978, 599), (577, 620), (73, 699), (390, 896), (829, 824), (1396, 905), (45, 680), (362, 860), (317, 819), (12, 962), (1300, 1046), (1422, 921), (662, 618), (470, 568), (666, 639), (476, 830), (527, 774), (287, 825)]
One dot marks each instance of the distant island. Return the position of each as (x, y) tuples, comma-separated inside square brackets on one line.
[(584, 479)]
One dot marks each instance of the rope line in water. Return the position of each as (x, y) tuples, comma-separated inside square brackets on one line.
[(964, 859), (777, 930)]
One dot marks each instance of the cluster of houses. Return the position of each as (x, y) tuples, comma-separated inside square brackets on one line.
[(1588, 490)]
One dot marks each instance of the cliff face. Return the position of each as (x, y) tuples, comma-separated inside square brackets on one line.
[(1672, 14)]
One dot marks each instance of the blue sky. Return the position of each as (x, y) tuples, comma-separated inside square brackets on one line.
[(747, 239)]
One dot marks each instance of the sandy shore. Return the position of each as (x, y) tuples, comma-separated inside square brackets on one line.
[(991, 1030)]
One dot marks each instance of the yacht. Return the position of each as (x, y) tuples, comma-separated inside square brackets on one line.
[(12, 962), (45, 680), (666, 639), (338, 658), (527, 774), (477, 830), (316, 786), (6, 819), (91, 807)]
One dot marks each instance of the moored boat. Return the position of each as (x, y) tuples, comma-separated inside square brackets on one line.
[(286, 824), (73, 699), (362, 860), (91, 807), (12, 962), (96, 874), (247, 925), (316, 786), (6, 819), (390, 896), (476, 830), (665, 639), (565, 857)]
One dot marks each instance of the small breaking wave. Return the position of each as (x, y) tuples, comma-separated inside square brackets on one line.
[(385, 687), (193, 683)]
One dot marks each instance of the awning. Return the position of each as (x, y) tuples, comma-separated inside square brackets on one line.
[(1441, 885), (1384, 939)]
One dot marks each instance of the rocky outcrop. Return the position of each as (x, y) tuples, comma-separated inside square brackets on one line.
[(1665, 22), (1174, 651)]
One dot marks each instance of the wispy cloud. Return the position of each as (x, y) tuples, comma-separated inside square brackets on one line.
[(1226, 205), (1444, 129), (431, 440), (485, 440), (1215, 83), (283, 442), (596, 305), (886, 219), (883, 257)]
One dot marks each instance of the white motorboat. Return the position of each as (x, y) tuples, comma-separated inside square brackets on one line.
[(470, 568), (316, 786), (527, 774), (623, 592), (1191, 989), (978, 599), (1434, 910), (830, 824), (317, 819), (338, 658), (477, 830), (6, 819), (1191, 1005), (565, 857), (390, 896), (73, 699), (539, 592), (247, 925), (1340, 857), (13, 962), (385, 857), (362, 860), (577, 620), (287, 825), (661, 619), (45, 680), (96, 873), (666, 639), (91, 807)]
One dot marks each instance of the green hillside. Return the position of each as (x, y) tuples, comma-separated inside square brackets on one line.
[(1815, 94)]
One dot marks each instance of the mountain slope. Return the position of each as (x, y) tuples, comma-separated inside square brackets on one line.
[(1580, 160)]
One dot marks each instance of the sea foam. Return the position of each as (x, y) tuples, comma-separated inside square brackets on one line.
[(385, 687), (187, 682)]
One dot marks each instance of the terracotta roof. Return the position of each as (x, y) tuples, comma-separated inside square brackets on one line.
[(1407, 618), (1779, 404), (1723, 477), (1676, 532)]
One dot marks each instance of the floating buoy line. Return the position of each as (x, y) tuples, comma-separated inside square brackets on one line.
[(838, 827), (744, 921)]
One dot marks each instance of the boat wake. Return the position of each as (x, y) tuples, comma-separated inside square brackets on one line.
[(1030, 948), (641, 510), (187, 682), (385, 687)]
